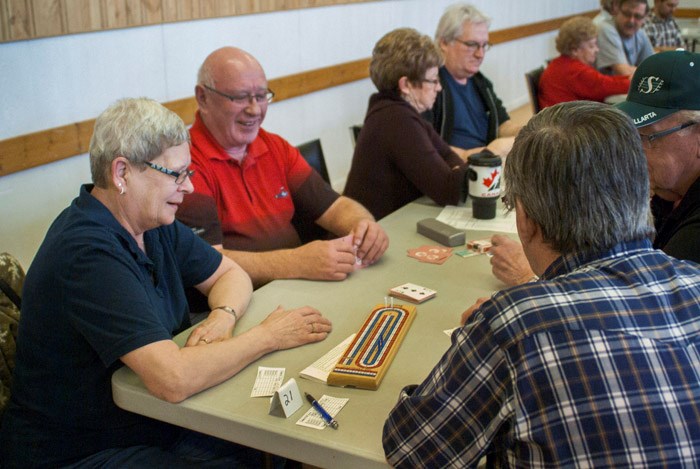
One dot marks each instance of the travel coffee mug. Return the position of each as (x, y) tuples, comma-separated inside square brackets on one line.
[(484, 177)]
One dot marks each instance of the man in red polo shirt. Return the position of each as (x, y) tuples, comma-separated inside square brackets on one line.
[(249, 183)]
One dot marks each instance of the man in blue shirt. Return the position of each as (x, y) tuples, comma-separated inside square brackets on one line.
[(595, 364), (467, 113)]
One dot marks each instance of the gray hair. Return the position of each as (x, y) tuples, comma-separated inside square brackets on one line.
[(579, 171), (450, 25), (690, 115), (609, 5), (204, 77), (139, 129), (619, 3)]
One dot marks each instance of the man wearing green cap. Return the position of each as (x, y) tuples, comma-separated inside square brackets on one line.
[(664, 103)]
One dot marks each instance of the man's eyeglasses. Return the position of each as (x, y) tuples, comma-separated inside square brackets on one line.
[(629, 14), (647, 139), (179, 177), (244, 99), (434, 82), (472, 46)]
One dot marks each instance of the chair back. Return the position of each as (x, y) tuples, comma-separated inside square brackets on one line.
[(11, 282), (307, 229), (532, 78), (355, 133), (313, 154)]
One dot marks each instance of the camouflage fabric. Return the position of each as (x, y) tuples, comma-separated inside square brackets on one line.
[(12, 273)]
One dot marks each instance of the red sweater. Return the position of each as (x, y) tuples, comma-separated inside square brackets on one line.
[(568, 79)]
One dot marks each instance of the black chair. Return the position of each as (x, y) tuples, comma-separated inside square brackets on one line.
[(355, 133), (307, 229), (313, 154), (532, 78)]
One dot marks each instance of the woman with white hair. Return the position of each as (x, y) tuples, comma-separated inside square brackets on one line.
[(107, 289)]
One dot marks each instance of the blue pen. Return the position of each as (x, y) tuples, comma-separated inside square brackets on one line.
[(325, 415)]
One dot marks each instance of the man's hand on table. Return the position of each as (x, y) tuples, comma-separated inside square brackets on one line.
[(326, 260), (371, 241), (468, 313)]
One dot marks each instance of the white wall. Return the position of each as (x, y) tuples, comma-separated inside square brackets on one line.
[(51, 82)]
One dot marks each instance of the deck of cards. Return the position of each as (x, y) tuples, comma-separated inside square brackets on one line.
[(430, 254), (412, 292), (475, 247), (482, 246)]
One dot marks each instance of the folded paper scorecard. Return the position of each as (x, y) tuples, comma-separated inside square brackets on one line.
[(367, 359)]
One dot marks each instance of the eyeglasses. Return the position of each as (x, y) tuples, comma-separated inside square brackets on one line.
[(434, 82), (179, 177), (647, 139), (244, 99), (472, 46), (629, 14)]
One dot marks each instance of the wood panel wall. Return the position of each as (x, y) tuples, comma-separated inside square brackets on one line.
[(30, 19), (28, 151)]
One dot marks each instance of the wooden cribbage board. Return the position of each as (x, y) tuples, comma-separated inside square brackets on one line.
[(367, 358)]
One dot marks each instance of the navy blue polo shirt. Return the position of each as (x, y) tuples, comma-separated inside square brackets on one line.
[(91, 296)]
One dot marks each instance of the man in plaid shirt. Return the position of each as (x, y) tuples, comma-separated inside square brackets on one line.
[(661, 27), (597, 363)]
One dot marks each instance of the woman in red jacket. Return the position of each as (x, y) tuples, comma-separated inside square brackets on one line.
[(571, 76)]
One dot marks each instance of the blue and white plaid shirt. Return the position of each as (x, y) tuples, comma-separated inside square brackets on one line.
[(663, 32), (595, 365)]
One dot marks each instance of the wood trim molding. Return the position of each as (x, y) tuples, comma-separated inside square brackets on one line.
[(32, 19), (38, 148), (693, 13)]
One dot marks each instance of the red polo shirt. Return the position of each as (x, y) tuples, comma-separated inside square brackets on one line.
[(256, 199)]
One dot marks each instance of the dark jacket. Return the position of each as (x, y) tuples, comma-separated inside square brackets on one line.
[(442, 114), (399, 157), (678, 230)]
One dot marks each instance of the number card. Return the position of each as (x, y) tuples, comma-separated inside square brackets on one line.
[(286, 400), (412, 292)]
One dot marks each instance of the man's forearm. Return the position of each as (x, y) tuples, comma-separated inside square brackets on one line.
[(263, 267), (343, 215), (508, 129), (623, 69)]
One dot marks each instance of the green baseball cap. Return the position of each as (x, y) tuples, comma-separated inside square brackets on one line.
[(664, 83)]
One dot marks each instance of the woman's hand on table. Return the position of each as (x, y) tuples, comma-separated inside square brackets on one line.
[(299, 326), (216, 327)]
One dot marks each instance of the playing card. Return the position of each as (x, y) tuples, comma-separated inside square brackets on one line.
[(412, 292), (430, 254), (349, 240)]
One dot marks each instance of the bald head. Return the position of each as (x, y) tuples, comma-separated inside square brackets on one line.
[(231, 94), (226, 61)]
